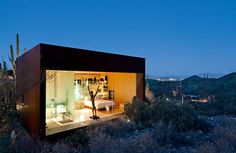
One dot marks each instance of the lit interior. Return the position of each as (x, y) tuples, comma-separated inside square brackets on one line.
[(68, 103)]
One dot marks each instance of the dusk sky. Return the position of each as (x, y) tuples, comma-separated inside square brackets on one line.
[(177, 37)]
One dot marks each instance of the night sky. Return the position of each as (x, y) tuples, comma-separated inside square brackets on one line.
[(177, 37)]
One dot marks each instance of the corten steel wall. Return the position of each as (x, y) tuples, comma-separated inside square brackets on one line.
[(28, 90), (31, 78)]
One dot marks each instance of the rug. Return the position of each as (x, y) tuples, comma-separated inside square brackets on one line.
[(65, 121)]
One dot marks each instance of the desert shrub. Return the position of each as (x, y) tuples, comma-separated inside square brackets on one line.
[(142, 143), (4, 141), (102, 143), (57, 147), (6, 145), (139, 111), (8, 114), (78, 138), (44, 147), (61, 148), (167, 135), (223, 137), (158, 138), (222, 121), (120, 136), (117, 128), (223, 140), (7, 98), (182, 115), (225, 103), (208, 147), (14, 139)]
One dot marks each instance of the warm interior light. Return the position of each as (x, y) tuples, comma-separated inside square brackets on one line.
[(68, 100)]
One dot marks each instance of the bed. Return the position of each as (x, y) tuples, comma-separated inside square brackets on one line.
[(100, 103)]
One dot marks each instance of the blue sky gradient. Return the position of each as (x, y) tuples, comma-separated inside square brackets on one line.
[(177, 37)]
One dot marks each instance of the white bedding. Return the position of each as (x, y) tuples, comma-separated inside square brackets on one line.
[(100, 103)]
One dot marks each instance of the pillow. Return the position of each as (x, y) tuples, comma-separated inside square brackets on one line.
[(99, 96), (105, 96)]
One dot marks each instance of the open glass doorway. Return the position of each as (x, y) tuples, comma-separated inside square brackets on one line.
[(68, 104)]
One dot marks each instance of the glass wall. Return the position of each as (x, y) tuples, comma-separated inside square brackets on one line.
[(68, 101), (59, 96)]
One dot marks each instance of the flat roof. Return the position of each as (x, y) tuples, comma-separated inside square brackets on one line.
[(87, 50), (54, 57)]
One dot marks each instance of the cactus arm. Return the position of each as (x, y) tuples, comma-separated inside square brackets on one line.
[(11, 57), (13, 66), (12, 60), (4, 65), (17, 45)]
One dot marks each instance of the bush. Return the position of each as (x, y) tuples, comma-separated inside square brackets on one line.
[(159, 138), (104, 143), (182, 115), (78, 138), (13, 138), (61, 148), (139, 111), (7, 99), (225, 104), (7, 146), (166, 135), (223, 140), (117, 128)]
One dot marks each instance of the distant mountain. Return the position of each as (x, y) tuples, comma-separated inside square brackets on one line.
[(196, 85), (182, 77), (228, 83), (165, 77), (231, 76), (211, 75), (193, 78)]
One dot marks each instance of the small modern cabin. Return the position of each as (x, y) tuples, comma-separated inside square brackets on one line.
[(52, 87)]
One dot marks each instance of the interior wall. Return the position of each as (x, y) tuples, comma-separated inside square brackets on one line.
[(124, 86), (65, 89), (61, 88)]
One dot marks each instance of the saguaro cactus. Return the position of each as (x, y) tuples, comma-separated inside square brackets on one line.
[(11, 57), (3, 66)]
